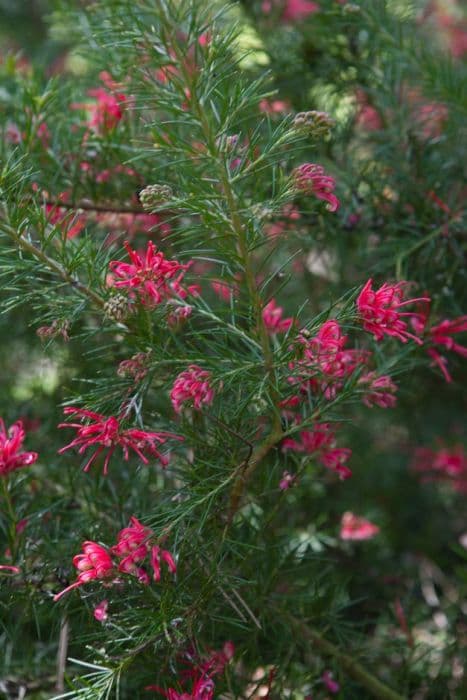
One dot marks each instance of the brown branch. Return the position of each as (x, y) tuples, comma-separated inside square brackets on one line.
[(89, 206)]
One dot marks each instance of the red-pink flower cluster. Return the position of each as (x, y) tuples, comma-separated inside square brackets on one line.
[(441, 335), (311, 179), (106, 112), (444, 464), (199, 676), (106, 434), (354, 527), (135, 546), (321, 442), (380, 390), (272, 318), (11, 443), (151, 276), (325, 363), (192, 388), (380, 311)]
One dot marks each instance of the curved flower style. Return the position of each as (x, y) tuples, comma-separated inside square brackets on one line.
[(151, 275), (311, 179), (380, 311), (441, 335), (192, 387), (134, 546), (94, 563), (380, 391), (446, 463), (272, 317), (200, 675), (322, 442), (325, 362), (11, 442), (107, 434), (353, 527)]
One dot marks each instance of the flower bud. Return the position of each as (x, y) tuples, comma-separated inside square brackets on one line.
[(316, 124), (153, 195), (116, 308)]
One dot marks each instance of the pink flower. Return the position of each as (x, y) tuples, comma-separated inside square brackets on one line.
[(11, 442), (325, 362), (311, 179), (94, 563), (100, 611), (134, 546), (105, 112), (443, 464), (224, 290), (151, 275), (275, 106), (321, 441), (287, 481), (192, 387), (159, 555), (441, 334), (272, 317), (353, 527), (200, 675), (380, 311), (331, 685), (106, 434), (380, 390), (11, 569), (296, 10)]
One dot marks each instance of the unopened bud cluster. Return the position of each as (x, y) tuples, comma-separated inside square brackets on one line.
[(116, 308), (315, 123), (152, 195), (55, 329)]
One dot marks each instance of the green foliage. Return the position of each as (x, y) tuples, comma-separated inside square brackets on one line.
[(257, 565)]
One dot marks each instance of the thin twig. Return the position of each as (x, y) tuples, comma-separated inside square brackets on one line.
[(62, 653)]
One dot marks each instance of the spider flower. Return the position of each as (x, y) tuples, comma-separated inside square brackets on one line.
[(310, 178), (106, 434), (11, 443), (381, 312)]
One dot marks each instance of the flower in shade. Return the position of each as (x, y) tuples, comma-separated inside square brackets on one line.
[(353, 527), (442, 335), (379, 391), (135, 546), (154, 278), (11, 443), (106, 112), (381, 314), (94, 563), (444, 464), (272, 318), (159, 555), (100, 611), (199, 675), (311, 179), (106, 434), (192, 387), (325, 362), (296, 10), (10, 569), (331, 685), (321, 441), (287, 480)]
